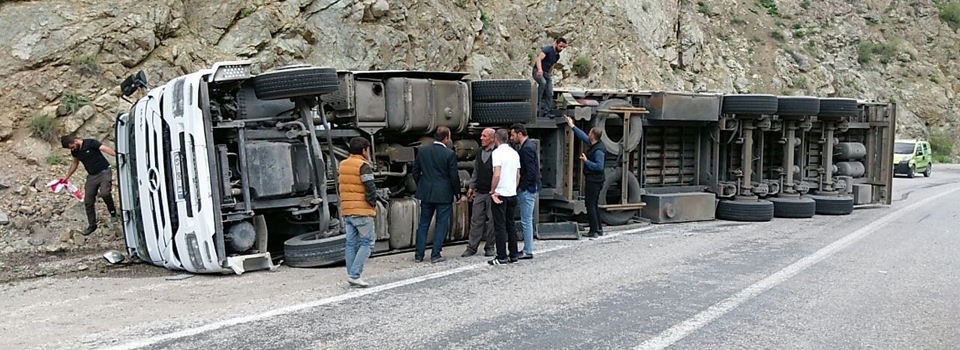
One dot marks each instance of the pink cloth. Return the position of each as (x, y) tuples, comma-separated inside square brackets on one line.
[(59, 184)]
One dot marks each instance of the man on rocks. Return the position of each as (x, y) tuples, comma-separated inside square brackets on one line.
[(99, 177)]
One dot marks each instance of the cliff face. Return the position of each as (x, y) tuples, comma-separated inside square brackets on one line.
[(64, 58)]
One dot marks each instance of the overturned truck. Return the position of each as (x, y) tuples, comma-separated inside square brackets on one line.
[(227, 171)]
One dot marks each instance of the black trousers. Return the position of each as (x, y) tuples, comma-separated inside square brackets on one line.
[(505, 227), (592, 194), (98, 185)]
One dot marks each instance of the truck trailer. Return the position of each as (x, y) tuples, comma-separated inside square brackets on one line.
[(226, 171)]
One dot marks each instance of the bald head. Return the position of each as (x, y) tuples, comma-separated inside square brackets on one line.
[(487, 138)]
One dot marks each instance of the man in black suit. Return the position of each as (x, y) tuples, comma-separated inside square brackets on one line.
[(438, 184)]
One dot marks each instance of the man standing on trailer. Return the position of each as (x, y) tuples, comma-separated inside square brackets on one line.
[(481, 221), (529, 185), (358, 198), (506, 175), (542, 67), (592, 174), (99, 176), (438, 184)]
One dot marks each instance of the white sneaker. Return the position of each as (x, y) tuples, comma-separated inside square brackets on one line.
[(357, 282)]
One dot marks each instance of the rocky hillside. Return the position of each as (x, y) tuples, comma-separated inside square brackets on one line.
[(61, 60)]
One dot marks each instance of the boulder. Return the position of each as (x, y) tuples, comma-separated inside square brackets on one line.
[(4, 219), (33, 150)]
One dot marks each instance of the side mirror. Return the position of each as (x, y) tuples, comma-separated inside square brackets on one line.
[(131, 84)]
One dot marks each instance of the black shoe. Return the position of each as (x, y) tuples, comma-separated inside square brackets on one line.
[(498, 262), (437, 260), (468, 253), (599, 233), (419, 260), (590, 235), (513, 260), (489, 252), (88, 230), (525, 256)]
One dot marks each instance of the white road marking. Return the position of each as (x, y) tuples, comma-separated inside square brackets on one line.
[(336, 299), (685, 328)]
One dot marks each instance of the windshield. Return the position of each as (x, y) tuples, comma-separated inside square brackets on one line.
[(903, 148)]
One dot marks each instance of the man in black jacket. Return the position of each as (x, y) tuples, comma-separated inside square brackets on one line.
[(529, 186), (438, 184), (592, 174)]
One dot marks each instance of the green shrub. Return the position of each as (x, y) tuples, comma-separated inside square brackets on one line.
[(872, 21), (805, 4), (582, 65), (800, 33), (55, 159), (461, 3), (73, 101), (45, 127), (885, 51), (801, 83), (776, 35), (769, 5), (950, 14), (703, 8), (87, 64), (797, 25), (941, 144), (934, 80), (484, 19), (247, 11)]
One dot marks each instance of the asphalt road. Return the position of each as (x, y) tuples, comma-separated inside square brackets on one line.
[(885, 277)]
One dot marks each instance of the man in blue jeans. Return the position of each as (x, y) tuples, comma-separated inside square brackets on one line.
[(358, 200), (529, 185), (542, 67), (438, 184)]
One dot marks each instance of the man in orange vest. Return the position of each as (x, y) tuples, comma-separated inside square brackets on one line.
[(358, 200)]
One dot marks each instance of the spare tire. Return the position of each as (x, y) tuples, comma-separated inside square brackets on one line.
[(634, 194), (501, 90), (630, 142), (829, 205), (501, 113), (296, 82), (753, 211), (312, 250), (838, 107), (798, 208), (750, 104), (798, 105)]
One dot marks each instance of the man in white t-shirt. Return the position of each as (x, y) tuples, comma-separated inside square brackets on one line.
[(506, 175)]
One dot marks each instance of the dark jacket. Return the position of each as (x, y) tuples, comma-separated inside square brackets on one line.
[(593, 166), (482, 172), (435, 171), (529, 167)]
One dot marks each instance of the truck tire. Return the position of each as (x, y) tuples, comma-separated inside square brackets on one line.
[(795, 208), (501, 90), (296, 82), (311, 250), (750, 104), (798, 105), (631, 141), (634, 194), (734, 210), (501, 113), (838, 107), (829, 205)]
